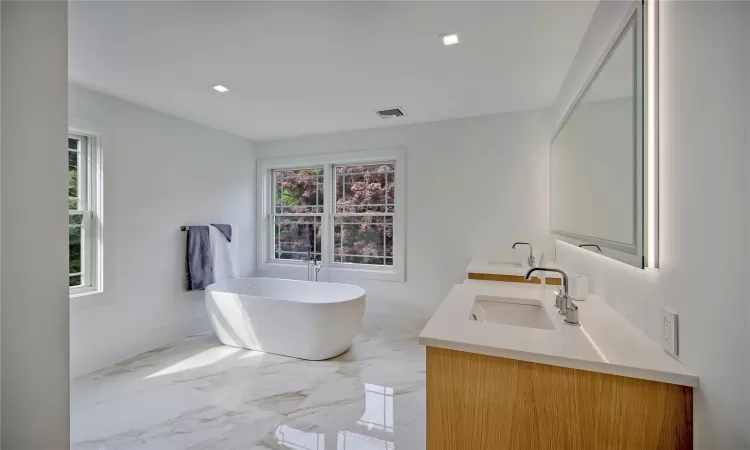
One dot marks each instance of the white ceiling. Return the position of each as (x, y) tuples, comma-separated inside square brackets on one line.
[(297, 68)]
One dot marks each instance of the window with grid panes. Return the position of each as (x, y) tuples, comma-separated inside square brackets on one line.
[(342, 214), (298, 214), (363, 214)]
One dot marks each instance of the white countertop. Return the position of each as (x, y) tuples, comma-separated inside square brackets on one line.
[(500, 267), (605, 342)]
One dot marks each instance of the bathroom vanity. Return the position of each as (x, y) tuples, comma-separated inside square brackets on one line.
[(504, 369), (505, 372)]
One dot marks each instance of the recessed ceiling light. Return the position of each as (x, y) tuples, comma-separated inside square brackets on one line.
[(220, 88), (449, 39)]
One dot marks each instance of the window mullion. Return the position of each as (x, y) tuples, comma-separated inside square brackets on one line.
[(83, 173), (329, 194), (86, 248), (275, 241)]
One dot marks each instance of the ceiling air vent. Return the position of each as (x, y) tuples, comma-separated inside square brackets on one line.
[(390, 112)]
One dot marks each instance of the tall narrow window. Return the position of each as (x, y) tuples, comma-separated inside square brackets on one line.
[(298, 214), (363, 218), (82, 198)]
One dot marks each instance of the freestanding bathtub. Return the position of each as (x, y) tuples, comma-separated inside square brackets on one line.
[(301, 319)]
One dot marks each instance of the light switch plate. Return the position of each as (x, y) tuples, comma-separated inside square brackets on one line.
[(669, 331)]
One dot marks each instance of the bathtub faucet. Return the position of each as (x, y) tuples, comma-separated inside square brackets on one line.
[(313, 267)]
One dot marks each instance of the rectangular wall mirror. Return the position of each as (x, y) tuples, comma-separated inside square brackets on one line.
[(597, 167)]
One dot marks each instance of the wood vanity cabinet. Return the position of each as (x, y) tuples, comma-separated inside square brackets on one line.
[(478, 402), (512, 278)]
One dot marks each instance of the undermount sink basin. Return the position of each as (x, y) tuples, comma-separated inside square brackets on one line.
[(510, 311)]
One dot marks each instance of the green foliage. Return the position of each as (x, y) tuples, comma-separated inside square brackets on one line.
[(288, 198), (72, 176), (74, 232)]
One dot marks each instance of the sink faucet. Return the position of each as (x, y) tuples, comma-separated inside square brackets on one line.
[(563, 301), (598, 249), (531, 260)]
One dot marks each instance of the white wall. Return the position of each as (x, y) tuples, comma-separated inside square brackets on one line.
[(474, 186), (704, 215), (160, 172), (34, 264), (1, 140), (747, 165)]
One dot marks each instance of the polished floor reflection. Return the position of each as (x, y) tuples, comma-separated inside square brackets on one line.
[(197, 394)]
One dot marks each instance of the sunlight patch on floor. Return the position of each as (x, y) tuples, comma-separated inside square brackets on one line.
[(251, 354), (202, 359)]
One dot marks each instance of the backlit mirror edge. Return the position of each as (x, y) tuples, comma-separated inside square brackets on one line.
[(652, 130), (639, 254)]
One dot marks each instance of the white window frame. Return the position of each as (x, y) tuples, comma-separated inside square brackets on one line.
[(90, 190), (298, 269)]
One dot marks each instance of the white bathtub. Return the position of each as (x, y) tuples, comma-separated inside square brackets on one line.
[(301, 319)]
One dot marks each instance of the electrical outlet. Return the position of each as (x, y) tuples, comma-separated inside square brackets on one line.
[(669, 329)]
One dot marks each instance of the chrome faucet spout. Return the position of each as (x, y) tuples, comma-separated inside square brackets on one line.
[(598, 249), (568, 308), (546, 269), (313, 267), (531, 260)]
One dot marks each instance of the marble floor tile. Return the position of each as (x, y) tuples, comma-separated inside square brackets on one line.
[(200, 395)]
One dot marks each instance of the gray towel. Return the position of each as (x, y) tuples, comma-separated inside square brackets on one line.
[(200, 268), (224, 228)]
